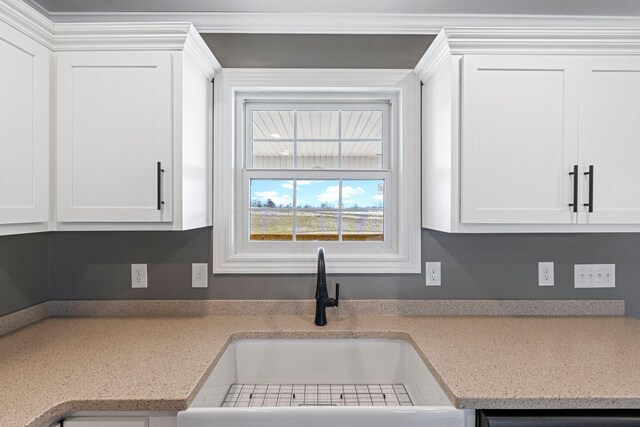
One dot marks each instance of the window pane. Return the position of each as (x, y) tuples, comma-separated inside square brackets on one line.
[(271, 193), (317, 225), (362, 124), (272, 155), (362, 155), (314, 194), (271, 224), (317, 125), (318, 155), (272, 125), (363, 225), (363, 193)]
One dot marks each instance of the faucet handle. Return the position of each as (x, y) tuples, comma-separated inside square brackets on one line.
[(337, 293)]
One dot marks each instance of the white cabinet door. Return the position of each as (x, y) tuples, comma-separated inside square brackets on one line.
[(610, 138), (519, 139), (115, 124), (24, 128)]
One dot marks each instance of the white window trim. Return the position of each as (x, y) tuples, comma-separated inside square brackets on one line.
[(403, 256)]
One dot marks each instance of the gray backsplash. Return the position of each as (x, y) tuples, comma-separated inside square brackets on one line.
[(24, 271), (95, 265)]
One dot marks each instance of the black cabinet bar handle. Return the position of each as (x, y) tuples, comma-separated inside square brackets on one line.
[(574, 205), (159, 187), (590, 173)]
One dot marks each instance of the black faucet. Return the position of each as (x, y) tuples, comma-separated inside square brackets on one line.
[(322, 294)]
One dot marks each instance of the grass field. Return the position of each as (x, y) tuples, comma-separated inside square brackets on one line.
[(324, 225)]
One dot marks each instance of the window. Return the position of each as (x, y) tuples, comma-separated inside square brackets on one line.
[(316, 172), (334, 163)]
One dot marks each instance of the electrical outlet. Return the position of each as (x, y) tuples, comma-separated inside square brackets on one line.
[(138, 275), (199, 272), (594, 275), (545, 274), (432, 271)]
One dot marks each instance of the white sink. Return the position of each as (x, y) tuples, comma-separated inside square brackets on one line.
[(320, 363)]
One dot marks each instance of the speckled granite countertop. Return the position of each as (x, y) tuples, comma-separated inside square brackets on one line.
[(159, 363)]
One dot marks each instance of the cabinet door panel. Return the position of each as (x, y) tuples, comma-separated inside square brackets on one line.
[(24, 128), (115, 124), (610, 137), (518, 141)]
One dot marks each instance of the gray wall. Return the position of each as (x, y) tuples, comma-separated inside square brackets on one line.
[(95, 265), (24, 271), (317, 50)]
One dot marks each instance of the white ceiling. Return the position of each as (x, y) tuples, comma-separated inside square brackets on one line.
[(517, 7)]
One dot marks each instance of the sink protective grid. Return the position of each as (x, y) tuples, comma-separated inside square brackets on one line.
[(269, 395)]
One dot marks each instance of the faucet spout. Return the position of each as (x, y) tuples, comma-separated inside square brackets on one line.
[(321, 279), (322, 294)]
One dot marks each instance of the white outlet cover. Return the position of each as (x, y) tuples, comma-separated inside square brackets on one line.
[(199, 273), (138, 275), (433, 274), (545, 274), (594, 275)]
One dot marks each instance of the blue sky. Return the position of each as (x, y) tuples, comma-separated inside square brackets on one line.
[(363, 193)]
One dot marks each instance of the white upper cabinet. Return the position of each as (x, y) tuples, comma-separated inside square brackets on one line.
[(114, 128), (134, 132), (519, 138), (531, 130), (610, 139), (24, 130), (105, 126)]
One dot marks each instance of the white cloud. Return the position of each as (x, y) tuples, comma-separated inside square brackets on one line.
[(378, 197), (277, 198), (348, 192), (332, 193)]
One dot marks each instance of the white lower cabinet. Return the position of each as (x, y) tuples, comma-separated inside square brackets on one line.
[(24, 129), (106, 422), (119, 419), (530, 134)]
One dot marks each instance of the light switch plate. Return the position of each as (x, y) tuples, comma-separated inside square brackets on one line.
[(545, 274), (138, 275), (594, 275), (432, 271), (199, 273)]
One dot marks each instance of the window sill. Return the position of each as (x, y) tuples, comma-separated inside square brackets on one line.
[(304, 262)]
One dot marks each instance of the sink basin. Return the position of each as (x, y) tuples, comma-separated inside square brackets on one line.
[(350, 382)]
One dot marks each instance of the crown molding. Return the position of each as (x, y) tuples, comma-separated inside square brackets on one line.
[(137, 36), (344, 23), (121, 36), (436, 55), (197, 50), (526, 41), (28, 21), (529, 40)]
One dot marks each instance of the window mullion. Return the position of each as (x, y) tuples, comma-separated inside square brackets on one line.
[(295, 211), (340, 211), (340, 139), (295, 139)]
